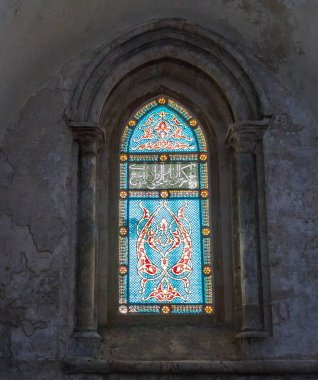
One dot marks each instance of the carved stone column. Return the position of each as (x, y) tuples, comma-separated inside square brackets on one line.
[(246, 141), (89, 138)]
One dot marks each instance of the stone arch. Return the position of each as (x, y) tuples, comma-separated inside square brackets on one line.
[(198, 68), (174, 39), (145, 83)]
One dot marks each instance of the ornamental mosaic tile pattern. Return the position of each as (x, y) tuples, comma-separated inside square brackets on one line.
[(207, 251), (164, 130), (184, 193), (122, 212), (183, 157), (145, 109), (186, 309), (123, 250), (205, 211), (143, 157), (123, 175), (204, 176), (201, 139), (165, 263), (125, 138), (144, 194), (145, 309)]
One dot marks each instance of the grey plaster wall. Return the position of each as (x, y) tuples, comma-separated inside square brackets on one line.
[(44, 47)]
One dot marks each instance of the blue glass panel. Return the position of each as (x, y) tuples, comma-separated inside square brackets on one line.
[(162, 129), (165, 252)]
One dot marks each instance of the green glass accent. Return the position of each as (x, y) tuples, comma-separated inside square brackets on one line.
[(151, 176)]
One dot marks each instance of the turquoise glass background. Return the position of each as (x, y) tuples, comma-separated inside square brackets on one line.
[(166, 265), (152, 120), (192, 213)]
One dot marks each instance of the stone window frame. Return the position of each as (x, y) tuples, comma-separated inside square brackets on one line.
[(122, 319), (113, 319), (167, 54)]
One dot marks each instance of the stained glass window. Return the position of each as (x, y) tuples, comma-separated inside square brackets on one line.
[(164, 249)]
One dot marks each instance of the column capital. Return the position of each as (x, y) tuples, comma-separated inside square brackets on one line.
[(89, 135), (245, 135)]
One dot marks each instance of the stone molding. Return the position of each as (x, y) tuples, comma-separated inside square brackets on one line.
[(227, 367), (208, 52), (244, 136), (90, 137)]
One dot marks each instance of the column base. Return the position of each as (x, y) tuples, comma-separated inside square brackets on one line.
[(86, 334), (252, 334)]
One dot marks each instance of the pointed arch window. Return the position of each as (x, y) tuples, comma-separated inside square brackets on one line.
[(164, 248)]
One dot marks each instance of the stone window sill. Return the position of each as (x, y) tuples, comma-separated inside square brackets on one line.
[(237, 367)]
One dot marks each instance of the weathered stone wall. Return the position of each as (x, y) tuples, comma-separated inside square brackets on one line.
[(44, 49)]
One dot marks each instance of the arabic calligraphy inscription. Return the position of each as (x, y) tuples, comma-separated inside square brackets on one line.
[(164, 175)]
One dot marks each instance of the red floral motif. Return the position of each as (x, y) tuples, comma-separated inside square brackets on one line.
[(148, 134), (164, 130), (177, 134), (164, 292), (163, 144)]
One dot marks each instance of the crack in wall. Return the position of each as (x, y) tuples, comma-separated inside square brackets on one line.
[(35, 243), (7, 171), (29, 327)]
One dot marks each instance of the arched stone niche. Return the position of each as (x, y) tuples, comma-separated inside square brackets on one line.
[(200, 70)]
